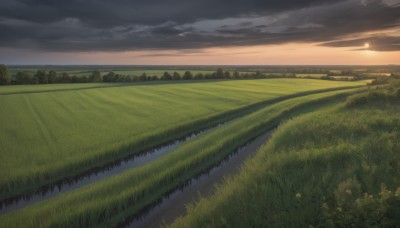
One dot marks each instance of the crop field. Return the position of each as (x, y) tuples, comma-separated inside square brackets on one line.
[(53, 88), (61, 131), (99, 204), (335, 167), (343, 77), (56, 132), (310, 75)]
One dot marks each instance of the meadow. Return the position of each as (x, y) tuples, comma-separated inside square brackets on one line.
[(335, 167), (111, 201)]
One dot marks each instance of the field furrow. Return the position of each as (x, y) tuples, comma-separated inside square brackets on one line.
[(113, 200), (102, 125)]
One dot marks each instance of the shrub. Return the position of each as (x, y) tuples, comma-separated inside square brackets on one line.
[(364, 211)]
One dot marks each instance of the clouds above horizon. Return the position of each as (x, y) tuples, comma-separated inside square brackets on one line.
[(101, 25)]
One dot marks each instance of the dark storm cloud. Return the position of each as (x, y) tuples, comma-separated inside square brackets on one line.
[(102, 13), (100, 25)]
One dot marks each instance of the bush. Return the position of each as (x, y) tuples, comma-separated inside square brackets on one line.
[(364, 211)]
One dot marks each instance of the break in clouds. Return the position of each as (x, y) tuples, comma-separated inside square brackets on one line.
[(102, 25)]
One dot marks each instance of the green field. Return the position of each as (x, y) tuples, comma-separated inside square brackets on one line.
[(344, 77), (310, 75), (337, 167), (48, 134), (99, 204), (20, 89), (55, 87)]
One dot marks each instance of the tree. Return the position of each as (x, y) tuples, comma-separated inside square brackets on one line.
[(122, 78), (74, 79), (176, 76), (227, 74), (23, 78), (143, 77), (34, 80), (166, 76), (258, 74), (219, 73), (42, 77), (65, 78), (110, 77), (199, 76), (52, 77), (95, 76), (188, 75), (5, 78), (209, 76), (236, 74), (82, 79)]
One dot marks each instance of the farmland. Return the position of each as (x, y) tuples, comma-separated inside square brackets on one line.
[(100, 205), (56, 132), (115, 121)]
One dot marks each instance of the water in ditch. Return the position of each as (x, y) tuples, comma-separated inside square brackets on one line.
[(173, 205), (114, 168)]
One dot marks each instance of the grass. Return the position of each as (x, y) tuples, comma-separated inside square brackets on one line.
[(378, 74), (343, 77), (21, 89), (310, 75), (41, 88), (109, 202), (48, 136), (337, 167)]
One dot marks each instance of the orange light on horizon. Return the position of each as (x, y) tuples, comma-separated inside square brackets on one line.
[(280, 54)]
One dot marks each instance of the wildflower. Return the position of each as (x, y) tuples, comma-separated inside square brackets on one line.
[(298, 195)]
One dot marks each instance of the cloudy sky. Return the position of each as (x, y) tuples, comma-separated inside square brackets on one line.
[(200, 32)]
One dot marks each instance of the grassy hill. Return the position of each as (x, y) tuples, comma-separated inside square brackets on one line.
[(335, 167)]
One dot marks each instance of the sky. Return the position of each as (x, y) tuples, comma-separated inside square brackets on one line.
[(200, 32)]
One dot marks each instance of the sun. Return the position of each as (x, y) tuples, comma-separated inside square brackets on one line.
[(366, 45)]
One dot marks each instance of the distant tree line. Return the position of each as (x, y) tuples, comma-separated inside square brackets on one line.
[(52, 77)]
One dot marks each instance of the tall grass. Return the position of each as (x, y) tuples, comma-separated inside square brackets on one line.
[(47, 136), (337, 167), (109, 202)]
